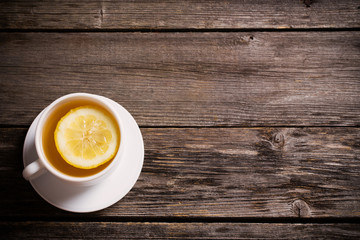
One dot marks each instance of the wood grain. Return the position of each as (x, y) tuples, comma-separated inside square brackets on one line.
[(217, 172), (154, 230), (188, 79), (193, 14)]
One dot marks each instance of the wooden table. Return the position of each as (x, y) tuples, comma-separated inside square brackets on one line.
[(249, 112)]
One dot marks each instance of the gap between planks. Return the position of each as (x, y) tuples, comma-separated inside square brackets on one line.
[(321, 220), (182, 30)]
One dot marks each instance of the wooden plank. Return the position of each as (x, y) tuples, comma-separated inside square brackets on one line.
[(189, 79), (138, 230), (167, 14), (218, 172)]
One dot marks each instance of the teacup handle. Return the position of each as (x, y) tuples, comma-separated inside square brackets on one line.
[(33, 170)]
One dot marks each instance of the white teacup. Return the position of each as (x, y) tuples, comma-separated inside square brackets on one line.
[(42, 164)]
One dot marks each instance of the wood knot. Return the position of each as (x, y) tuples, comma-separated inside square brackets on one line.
[(300, 208), (278, 140), (307, 2)]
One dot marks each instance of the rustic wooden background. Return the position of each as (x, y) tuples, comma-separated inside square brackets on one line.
[(249, 112)]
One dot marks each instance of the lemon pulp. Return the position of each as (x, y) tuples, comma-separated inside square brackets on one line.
[(86, 137)]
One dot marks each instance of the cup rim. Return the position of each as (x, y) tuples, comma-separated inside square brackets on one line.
[(38, 137)]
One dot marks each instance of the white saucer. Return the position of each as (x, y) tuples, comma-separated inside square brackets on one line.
[(102, 195)]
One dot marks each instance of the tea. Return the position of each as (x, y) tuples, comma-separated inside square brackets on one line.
[(48, 142)]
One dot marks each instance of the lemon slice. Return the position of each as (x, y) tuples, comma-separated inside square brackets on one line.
[(86, 137)]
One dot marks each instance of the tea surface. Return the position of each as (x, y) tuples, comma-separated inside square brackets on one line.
[(49, 146)]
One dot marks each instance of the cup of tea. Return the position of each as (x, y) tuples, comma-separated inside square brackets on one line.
[(78, 139)]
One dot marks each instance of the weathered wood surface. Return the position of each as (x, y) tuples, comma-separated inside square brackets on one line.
[(189, 79), (154, 230), (217, 172), (193, 14), (283, 106)]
